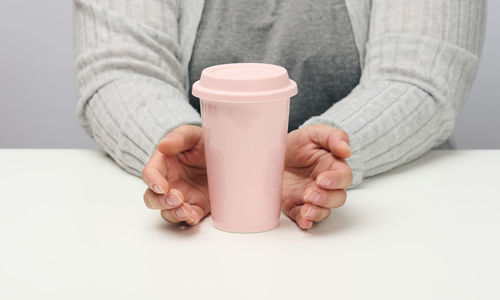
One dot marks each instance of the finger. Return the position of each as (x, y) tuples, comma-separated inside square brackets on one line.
[(192, 208), (182, 213), (196, 214), (196, 207), (169, 216), (333, 139), (180, 139), (193, 196), (186, 213), (155, 172), (325, 198), (191, 214), (302, 222), (173, 199), (339, 178), (314, 213), (201, 209)]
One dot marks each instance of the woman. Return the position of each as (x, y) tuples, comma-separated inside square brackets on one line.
[(386, 78)]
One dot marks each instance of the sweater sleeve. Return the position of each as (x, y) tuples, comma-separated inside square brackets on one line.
[(131, 85), (421, 59)]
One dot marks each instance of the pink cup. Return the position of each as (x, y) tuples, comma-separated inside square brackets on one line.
[(244, 109)]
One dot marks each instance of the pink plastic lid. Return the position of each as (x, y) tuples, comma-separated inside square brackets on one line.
[(242, 82)]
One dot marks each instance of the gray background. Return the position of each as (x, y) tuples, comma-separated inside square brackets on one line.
[(37, 82)]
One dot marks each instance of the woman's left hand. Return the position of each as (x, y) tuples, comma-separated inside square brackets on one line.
[(316, 174)]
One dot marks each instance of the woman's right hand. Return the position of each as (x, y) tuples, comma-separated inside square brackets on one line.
[(176, 177)]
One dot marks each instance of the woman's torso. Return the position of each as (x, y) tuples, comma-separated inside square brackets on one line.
[(313, 40)]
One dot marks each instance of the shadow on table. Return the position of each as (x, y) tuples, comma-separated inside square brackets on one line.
[(339, 221), (180, 229)]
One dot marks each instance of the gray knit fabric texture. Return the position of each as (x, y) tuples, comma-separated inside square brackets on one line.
[(418, 61)]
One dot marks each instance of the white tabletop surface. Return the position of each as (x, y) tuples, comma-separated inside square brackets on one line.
[(74, 226)]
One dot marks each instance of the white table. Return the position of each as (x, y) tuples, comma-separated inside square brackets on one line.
[(73, 226)]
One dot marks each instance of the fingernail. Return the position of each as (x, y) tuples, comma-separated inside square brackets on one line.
[(181, 212), (157, 189), (189, 216), (324, 182), (173, 199), (310, 212), (346, 145), (194, 216), (312, 196)]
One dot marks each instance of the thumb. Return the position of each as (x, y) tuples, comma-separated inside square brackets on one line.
[(181, 139), (333, 139)]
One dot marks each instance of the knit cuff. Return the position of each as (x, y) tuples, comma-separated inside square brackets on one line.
[(128, 118)]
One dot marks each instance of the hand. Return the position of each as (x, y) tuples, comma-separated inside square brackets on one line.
[(316, 173), (177, 178)]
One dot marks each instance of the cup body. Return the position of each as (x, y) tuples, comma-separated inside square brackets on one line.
[(244, 109), (245, 144)]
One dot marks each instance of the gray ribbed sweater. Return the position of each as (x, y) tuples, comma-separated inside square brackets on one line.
[(418, 59)]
